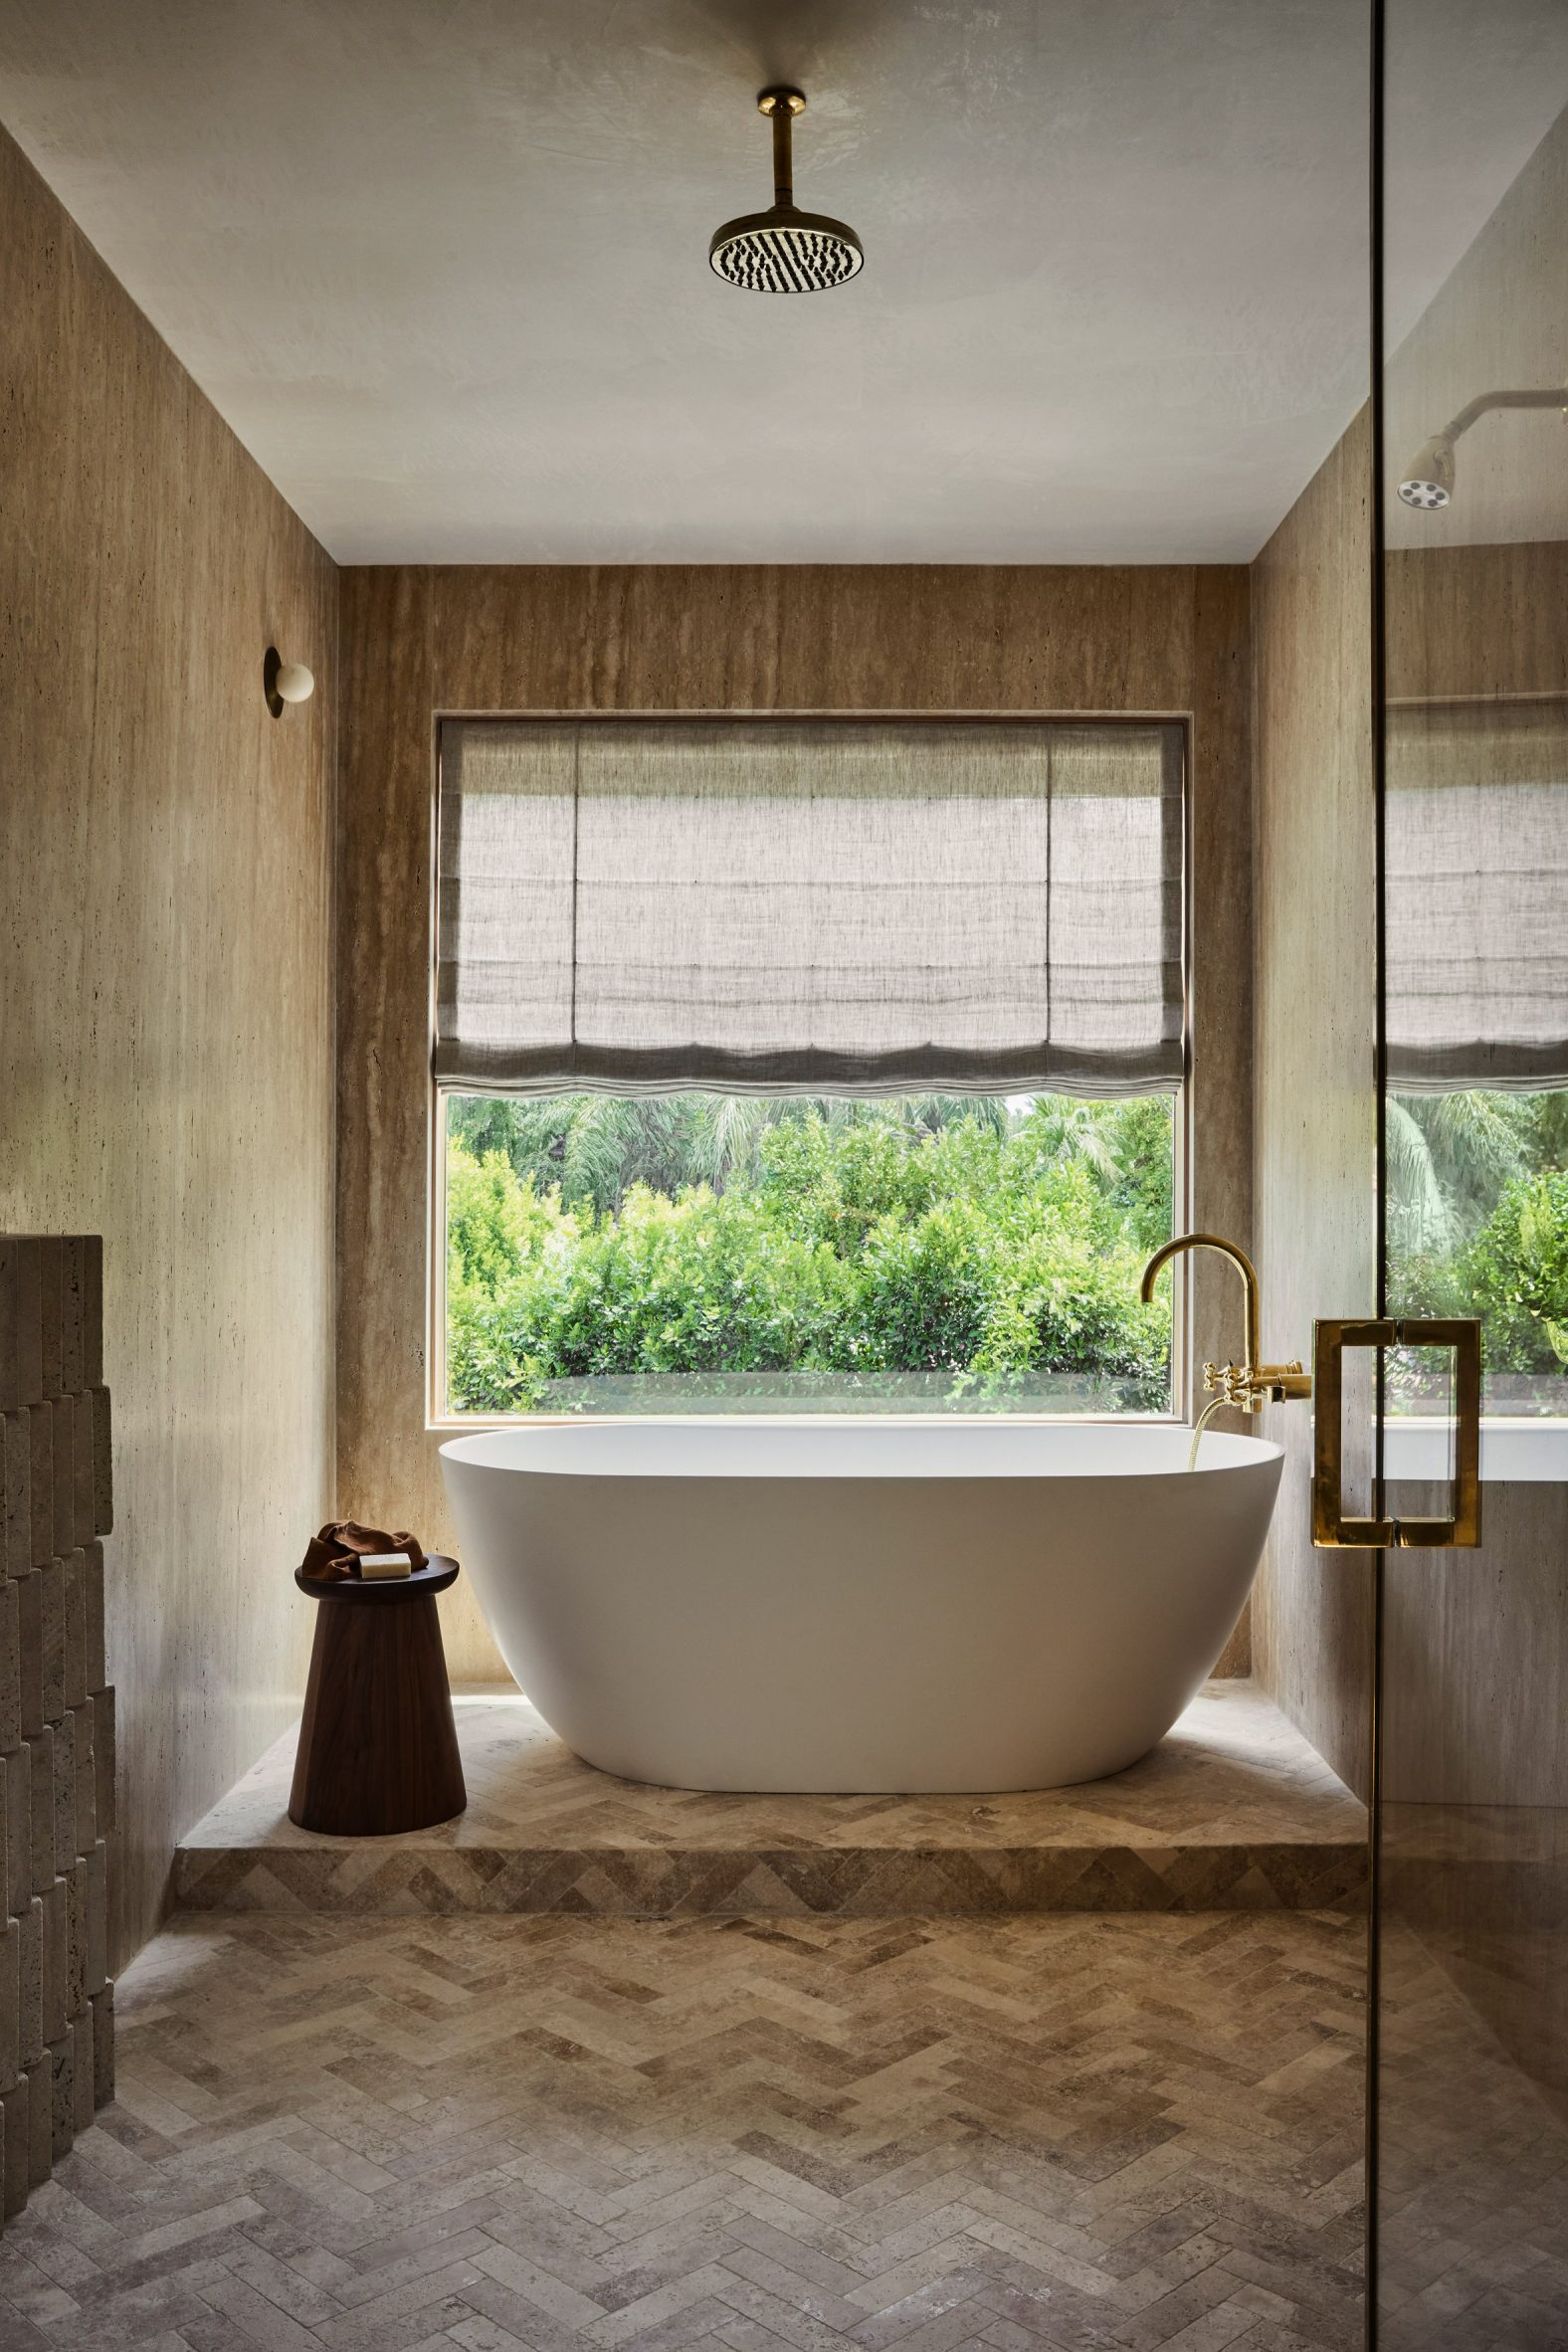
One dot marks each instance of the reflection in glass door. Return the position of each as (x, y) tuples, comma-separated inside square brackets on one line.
[(1471, 2078)]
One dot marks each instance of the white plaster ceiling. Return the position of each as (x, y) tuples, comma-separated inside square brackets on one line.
[(442, 264)]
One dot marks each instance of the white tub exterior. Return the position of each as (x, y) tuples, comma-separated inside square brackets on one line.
[(860, 1605)]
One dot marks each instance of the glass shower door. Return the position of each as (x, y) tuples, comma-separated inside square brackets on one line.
[(1469, 2083)]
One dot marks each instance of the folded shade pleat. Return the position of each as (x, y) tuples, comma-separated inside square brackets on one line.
[(790, 905), (1477, 896)]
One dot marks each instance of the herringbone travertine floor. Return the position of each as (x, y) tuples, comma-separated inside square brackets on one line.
[(1473, 2238), (1109, 2133)]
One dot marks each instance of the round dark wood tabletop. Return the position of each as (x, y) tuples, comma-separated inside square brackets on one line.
[(439, 1571)]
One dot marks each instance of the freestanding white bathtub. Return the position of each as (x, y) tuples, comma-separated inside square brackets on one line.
[(860, 1605)]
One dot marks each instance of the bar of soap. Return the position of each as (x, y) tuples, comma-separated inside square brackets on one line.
[(385, 1564)]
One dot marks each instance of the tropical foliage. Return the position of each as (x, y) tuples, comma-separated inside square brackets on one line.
[(992, 1248), (1478, 1223)]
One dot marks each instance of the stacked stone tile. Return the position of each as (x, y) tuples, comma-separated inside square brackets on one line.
[(57, 1714)]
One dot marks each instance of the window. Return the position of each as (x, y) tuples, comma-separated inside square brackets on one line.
[(1477, 1225), (698, 1253), (806, 1065), (1478, 1044)]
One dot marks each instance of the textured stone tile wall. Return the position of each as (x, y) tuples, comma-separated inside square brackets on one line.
[(168, 1052), (56, 1709)]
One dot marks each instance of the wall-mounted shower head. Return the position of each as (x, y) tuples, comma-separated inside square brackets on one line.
[(783, 250), (1428, 481)]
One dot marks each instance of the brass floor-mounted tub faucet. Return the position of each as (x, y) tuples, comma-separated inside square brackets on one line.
[(1248, 1385)]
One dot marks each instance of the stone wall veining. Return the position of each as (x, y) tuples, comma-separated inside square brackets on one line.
[(1314, 1054), (418, 641), (166, 1048), (1464, 618)]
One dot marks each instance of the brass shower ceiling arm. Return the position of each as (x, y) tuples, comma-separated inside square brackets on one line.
[(782, 105)]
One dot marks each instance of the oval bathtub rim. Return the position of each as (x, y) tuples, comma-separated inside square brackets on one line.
[(1222, 1452)]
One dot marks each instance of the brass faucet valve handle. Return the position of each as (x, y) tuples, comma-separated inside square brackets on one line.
[(1232, 1383), (1281, 1384)]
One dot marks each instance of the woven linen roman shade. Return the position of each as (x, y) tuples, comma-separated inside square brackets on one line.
[(796, 906), (1477, 896)]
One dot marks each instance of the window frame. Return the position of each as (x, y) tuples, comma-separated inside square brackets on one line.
[(440, 1423)]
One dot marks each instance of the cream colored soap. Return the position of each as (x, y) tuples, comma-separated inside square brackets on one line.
[(377, 1564)]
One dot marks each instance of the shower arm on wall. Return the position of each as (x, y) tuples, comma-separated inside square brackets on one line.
[(1248, 1385), (1474, 409), (1428, 483)]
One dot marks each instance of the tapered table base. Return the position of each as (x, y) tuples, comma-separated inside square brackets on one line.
[(378, 1747)]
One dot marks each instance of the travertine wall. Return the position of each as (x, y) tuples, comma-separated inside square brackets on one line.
[(1314, 1053), (1151, 640), (1474, 599), (166, 1047), (56, 1712)]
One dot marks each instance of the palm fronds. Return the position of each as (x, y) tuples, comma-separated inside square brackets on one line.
[(1419, 1213)]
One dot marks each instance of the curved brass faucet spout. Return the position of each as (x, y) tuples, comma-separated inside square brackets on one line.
[(1249, 1384), (1239, 1259)]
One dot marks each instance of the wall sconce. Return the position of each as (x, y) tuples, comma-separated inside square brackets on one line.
[(284, 682)]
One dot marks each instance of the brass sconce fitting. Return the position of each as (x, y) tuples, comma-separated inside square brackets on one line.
[(1248, 1385), (284, 682)]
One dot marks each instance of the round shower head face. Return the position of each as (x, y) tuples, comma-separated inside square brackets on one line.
[(1427, 496), (1429, 486), (785, 252)]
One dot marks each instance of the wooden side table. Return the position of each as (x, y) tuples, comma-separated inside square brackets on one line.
[(378, 1748)]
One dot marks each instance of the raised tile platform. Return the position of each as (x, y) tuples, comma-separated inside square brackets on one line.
[(1234, 1811)]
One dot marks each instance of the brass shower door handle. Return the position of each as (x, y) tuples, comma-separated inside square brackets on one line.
[(1331, 1529)]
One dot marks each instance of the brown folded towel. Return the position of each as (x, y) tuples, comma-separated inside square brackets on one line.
[(342, 1544)]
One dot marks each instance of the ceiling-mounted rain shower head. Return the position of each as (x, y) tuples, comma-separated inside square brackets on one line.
[(1428, 481), (783, 250)]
